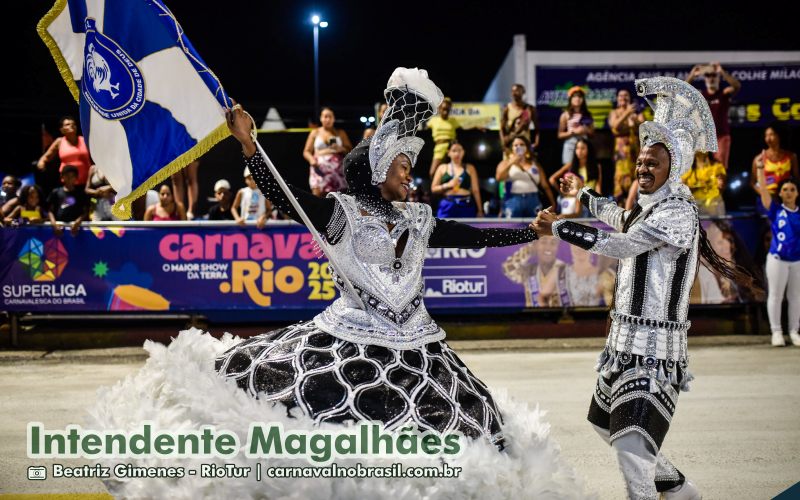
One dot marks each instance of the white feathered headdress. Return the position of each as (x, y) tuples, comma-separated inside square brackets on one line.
[(412, 98)]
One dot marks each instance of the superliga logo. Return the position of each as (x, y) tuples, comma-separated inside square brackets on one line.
[(43, 262)]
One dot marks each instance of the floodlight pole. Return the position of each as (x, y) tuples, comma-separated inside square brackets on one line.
[(316, 70), (318, 23)]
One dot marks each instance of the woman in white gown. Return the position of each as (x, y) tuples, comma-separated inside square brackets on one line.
[(377, 356)]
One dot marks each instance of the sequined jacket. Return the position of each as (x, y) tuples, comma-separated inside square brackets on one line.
[(384, 266), (656, 244)]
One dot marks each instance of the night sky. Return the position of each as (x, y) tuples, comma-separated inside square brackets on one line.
[(262, 51)]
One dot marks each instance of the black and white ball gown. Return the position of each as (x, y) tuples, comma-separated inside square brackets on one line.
[(385, 361)]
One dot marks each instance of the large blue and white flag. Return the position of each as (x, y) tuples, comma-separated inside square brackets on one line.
[(149, 105)]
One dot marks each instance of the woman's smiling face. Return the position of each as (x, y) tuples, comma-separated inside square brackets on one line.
[(398, 179)]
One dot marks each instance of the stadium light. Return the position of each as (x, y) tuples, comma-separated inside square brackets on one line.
[(318, 23)]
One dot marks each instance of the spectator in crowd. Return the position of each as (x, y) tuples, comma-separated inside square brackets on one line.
[(368, 132), (250, 204), (542, 274), (443, 129), (8, 195), (324, 151), (222, 209), (584, 164), (184, 185), (526, 178), (458, 182), (624, 121), (583, 279), (519, 119), (779, 164), (71, 150), (30, 209), (783, 260), (719, 100), (167, 208), (68, 203), (102, 194), (706, 180), (575, 123)]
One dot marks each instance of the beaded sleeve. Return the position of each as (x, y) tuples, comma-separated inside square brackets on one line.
[(452, 234), (618, 245), (603, 208), (672, 221), (320, 211)]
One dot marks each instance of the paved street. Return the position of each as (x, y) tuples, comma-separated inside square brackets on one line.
[(736, 434)]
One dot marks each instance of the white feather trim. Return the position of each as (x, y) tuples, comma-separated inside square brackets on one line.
[(178, 389)]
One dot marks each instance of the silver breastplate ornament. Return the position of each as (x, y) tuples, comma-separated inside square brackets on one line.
[(390, 311)]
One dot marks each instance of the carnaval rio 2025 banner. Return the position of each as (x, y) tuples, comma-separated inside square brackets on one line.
[(769, 93), (217, 268)]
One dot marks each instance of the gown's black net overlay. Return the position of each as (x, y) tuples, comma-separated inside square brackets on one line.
[(333, 380)]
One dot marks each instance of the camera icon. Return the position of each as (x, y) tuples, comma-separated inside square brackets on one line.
[(37, 473)]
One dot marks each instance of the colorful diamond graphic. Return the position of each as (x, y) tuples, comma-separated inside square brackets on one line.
[(31, 257), (43, 262), (56, 259), (33, 246)]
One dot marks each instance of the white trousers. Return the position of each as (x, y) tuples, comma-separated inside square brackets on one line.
[(638, 462), (783, 278)]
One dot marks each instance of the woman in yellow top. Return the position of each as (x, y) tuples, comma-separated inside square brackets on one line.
[(706, 180), (443, 128), (458, 182), (779, 164), (30, 209)]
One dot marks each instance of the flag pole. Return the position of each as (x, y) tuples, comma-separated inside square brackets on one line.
[(322, 244)]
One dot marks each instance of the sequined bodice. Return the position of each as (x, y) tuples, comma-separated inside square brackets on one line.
[(655, 285), (386, 273)]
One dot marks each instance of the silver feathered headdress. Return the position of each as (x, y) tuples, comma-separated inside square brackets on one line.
[(412, 98), (682, 122)]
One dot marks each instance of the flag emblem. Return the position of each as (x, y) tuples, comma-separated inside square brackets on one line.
[(113, 85)]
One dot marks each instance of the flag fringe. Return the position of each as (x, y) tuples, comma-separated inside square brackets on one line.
[(47, 38), (122, 208)]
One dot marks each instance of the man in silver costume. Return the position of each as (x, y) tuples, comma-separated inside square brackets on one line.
[(659, 242)]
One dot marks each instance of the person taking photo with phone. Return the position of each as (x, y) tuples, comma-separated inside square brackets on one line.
[(719, 100), (525, 178)]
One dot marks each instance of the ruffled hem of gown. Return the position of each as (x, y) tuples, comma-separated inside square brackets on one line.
[(179, 389)]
